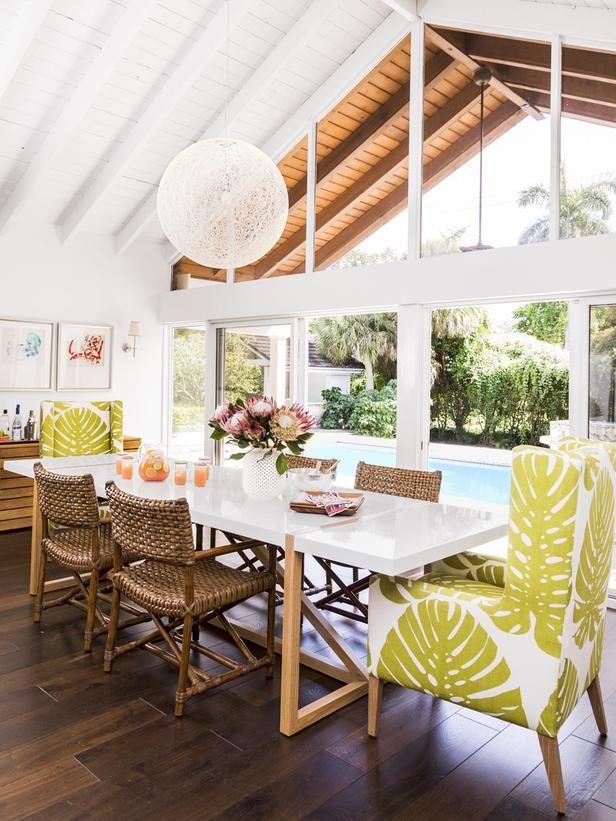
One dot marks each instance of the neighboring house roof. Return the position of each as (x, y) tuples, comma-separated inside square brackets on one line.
[(260, 345), (317, 360)]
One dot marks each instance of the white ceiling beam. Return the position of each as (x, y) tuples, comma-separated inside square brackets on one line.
[(29, 19), (124, 32), (256, 83), (346, 76), (406, 8), (188, 71), (519, 18)]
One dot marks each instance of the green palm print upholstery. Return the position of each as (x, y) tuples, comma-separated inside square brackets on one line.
[(81, 428), (521, 639)]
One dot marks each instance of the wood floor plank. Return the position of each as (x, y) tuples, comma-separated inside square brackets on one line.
[(297, 792), (585, 767), (387, 790), (480, 783), (588, 729), (406, 716), (226, 757), (74, 739), (41, 787), (606, 793)]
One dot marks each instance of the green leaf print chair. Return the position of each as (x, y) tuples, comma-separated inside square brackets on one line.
[(81, 428), (520, 638)]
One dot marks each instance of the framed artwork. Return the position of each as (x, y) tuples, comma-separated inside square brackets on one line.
[(84, 357), (26, 355)]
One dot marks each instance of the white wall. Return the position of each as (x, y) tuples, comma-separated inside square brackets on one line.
[(87, 281)]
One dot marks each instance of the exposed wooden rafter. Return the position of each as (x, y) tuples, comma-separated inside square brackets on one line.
[(459, 52), (371, 50), (371, 129), (383, 169)]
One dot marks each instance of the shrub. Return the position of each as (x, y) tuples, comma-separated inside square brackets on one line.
[(374, 412), (337, 408), (188, 418)]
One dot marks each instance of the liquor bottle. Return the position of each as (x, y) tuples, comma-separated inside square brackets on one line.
[(5, 426), (16, 429), (30, 429)]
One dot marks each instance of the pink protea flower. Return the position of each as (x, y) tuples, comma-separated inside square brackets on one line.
[(290, 423), (222, 413), (236, 424), (262, 406), (253, 430)]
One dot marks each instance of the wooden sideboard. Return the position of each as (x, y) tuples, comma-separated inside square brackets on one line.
[(16, 491)]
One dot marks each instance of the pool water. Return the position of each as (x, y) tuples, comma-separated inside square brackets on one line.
[(485, 483)]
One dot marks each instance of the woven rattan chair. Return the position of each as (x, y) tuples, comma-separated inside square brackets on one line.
[(188, 587), (344, 597), (79, 543)]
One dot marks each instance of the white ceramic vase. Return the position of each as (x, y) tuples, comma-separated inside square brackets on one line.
[(260, 479)]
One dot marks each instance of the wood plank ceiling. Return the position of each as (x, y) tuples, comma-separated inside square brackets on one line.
[(362, 144)]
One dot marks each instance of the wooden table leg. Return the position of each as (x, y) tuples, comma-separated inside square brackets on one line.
[(35, 545), (292, 717)]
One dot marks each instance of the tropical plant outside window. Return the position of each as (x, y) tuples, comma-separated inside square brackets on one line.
[(188, 391)]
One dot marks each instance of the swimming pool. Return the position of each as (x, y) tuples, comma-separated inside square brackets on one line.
[(485, 483)]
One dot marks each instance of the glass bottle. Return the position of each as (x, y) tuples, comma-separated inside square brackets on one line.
[(16, 429), (30, 430), (5, 425)]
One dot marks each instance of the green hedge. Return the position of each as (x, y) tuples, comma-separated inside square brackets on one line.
[(372, 413), (490, 389), (188, 418)]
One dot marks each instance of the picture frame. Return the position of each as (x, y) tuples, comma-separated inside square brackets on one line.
[(27, 354), (84, 356)]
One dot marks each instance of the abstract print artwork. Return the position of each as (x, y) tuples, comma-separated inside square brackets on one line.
[(84, 357), (26, 354)]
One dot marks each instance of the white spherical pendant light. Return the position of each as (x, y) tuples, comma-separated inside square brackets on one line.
[(222, 203)]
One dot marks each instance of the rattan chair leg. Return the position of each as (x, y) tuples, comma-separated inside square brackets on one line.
[(180, 696), (40, 587), (88, 636), (112, 629)]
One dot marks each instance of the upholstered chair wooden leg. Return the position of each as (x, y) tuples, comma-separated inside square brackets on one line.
[(91, 614), (40, 587), (375, 698), (596, 702), (112, 629), (180, 696), (551, 759)]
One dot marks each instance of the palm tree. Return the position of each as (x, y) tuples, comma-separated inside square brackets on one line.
[(369, 338), (452, 323), (584, 210)]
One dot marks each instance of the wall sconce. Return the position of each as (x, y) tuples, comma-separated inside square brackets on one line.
[(134, 330)]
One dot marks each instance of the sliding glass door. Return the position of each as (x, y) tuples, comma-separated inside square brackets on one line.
[(254, 360), (186, 429), (602, 382)]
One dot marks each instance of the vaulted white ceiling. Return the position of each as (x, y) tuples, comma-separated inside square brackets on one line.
[(97, 97)]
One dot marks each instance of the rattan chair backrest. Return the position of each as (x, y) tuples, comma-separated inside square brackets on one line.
[(156, 529), (414, 484), (311, 462), (69, 501)]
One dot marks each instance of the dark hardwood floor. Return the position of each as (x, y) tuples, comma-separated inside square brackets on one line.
[(76, 743)]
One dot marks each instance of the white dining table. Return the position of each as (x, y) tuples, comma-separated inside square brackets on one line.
[(389, 534)]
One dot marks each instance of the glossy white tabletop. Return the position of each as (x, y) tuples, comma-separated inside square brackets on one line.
[(408, 537), (388, 534)]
